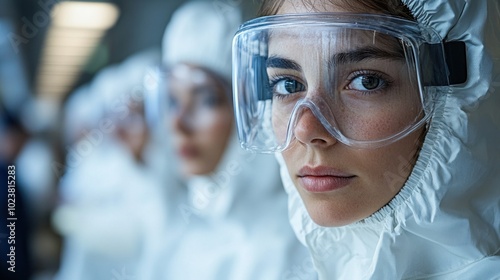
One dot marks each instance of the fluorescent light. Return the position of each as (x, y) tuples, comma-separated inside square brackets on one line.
[(89, 15), (72, 37), (64, 60), (65, 51), (57, 80), (75, 31), (53, 93), (54, 68)]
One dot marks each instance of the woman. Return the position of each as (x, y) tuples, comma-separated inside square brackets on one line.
[(385, 129), (230, 220)]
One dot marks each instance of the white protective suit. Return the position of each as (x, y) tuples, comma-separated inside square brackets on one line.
[(445, 222), (230, 225)]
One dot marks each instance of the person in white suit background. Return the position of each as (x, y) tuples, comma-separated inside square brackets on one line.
[(230, 219)]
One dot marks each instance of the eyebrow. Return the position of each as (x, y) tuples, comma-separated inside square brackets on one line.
[(354, 56), (283, 63), (361, 54)]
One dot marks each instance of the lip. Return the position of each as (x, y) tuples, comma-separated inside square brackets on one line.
[(188, 151), (323, 179)]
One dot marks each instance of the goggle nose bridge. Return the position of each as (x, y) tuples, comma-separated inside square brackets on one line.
[(328, 121)]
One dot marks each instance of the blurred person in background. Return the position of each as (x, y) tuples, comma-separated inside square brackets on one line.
[(24, 146), (13, 137), (230, 220), (110, 190)]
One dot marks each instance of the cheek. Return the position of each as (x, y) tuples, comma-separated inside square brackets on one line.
[(222, 123), (378, 123), (294, 159), (280, 119), (377, 126), (279, 128), (216, 134), (388, 168)]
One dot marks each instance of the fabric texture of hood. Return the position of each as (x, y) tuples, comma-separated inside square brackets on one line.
[(445, 222)]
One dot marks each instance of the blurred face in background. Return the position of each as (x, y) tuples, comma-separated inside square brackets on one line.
[(132, 129), (200, 117)]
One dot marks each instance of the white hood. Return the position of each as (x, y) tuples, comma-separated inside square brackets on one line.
[(445, 222)]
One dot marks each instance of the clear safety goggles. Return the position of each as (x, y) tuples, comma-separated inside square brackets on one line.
[(185, 94), (370, 80)]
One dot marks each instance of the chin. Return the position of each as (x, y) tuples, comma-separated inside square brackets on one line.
[(329, 221), (196, 170), (193, 172), (327, 214)]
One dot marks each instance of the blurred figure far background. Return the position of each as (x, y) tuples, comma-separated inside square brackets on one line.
[(73, 124), (111, 194)]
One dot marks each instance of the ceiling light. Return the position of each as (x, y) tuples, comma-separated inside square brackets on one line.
[(90, 15)]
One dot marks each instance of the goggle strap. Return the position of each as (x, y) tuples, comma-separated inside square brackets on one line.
[(456, 59), (452, 71)]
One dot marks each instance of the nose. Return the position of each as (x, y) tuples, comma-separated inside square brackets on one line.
[(309, 130), (180, 122)]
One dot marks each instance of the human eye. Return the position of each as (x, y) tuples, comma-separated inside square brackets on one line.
[(208, 98), (368, 82), (172, 103), (211, 101), (283, 86)]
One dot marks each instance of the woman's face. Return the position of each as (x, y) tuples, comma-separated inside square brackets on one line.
[(340, 184), (200, 117)]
